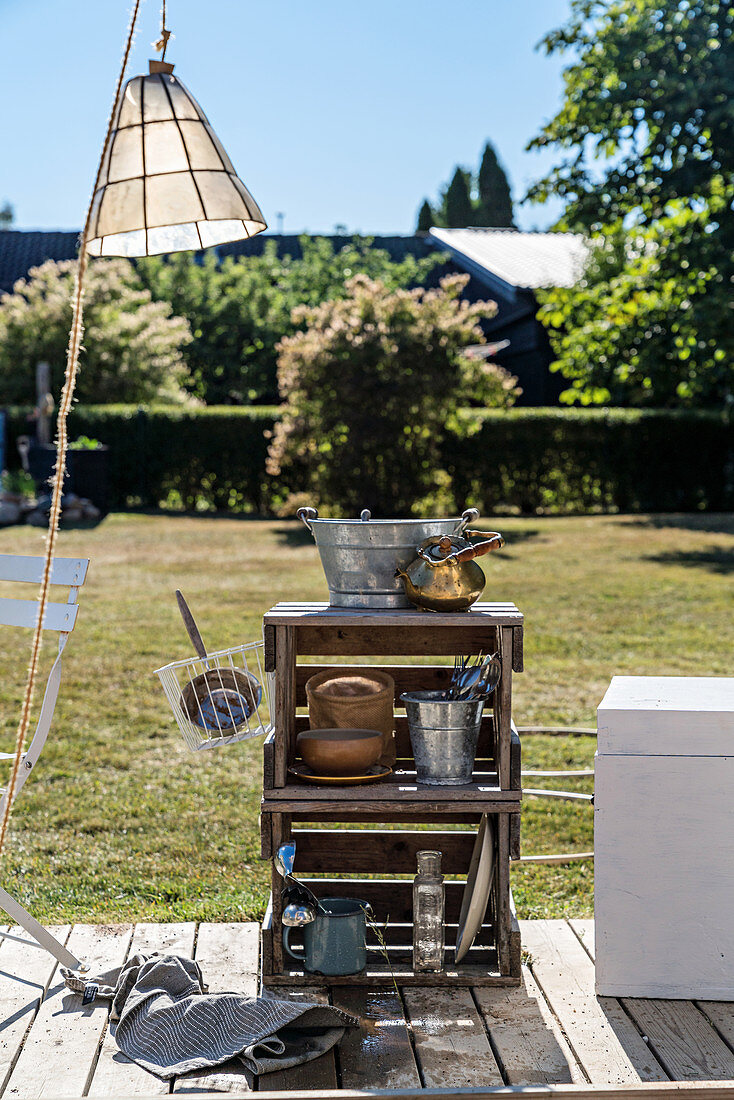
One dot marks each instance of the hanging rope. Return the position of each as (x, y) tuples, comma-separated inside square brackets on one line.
[(67, 397), (162, 43)]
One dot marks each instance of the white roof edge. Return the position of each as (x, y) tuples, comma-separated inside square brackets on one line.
[(521, 259)]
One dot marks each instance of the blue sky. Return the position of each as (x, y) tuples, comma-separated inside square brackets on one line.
[(334, 113)]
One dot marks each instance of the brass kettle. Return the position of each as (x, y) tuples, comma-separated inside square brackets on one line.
[(444, 576)]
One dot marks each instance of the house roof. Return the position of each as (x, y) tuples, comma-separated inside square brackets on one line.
[(525, 260), (499, 258), (289, 244), (22, 249)]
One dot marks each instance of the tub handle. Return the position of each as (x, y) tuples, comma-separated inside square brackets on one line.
[(306, 515), (470, 515)]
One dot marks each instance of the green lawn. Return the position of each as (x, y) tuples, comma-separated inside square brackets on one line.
[(122, 822)]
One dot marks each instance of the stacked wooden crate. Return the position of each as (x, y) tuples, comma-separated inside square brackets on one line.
[(336, 829)]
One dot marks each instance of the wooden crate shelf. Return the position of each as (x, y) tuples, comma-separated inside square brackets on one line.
[(378, 864), (316, 630)]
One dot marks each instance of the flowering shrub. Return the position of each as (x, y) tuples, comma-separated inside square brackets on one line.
[(372, 385), (132, 345)]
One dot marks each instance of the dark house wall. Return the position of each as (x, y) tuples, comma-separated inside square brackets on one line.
[(529, 355), (20, 250)]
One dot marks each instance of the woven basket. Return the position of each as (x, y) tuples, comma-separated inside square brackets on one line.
[(354, 698)]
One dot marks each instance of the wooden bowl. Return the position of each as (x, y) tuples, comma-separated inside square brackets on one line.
[(340, 752)]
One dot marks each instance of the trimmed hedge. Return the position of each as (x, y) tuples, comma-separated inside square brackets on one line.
[(192, 458), (586, 460), (521, 460)]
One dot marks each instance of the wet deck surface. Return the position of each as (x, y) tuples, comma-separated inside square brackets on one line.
[(552, 1029)]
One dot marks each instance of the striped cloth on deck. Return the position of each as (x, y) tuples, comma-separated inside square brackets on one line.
[(169, 1024)]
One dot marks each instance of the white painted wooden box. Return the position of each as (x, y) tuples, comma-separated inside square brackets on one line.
[(664, 838)]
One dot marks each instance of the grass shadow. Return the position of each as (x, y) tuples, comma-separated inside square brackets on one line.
[(180, 513), (515, 538), (80, 524), (522, 535), (293, 534), (715, 523), (715, 560)]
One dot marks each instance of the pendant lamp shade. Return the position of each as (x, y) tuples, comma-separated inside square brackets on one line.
[(166, 184)]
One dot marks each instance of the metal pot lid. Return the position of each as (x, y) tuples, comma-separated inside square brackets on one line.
[(438, 547)]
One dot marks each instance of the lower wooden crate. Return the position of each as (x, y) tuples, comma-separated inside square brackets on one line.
[(493, 960), (479, 968)]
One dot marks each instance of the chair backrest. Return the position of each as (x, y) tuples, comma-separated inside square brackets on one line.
[(68, 572), (71, 573)]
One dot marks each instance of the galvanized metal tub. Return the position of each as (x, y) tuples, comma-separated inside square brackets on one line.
[(443, 735), (360, 556)]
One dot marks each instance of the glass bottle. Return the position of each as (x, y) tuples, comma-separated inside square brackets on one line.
[(428, 913)]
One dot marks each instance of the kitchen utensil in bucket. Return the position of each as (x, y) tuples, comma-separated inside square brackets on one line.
[(217, 698), (359, 556), (475, 680)]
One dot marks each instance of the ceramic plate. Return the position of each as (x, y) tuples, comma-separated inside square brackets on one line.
[(478, 886), (372, 775)]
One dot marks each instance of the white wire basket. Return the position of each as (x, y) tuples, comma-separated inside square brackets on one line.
[(221, 698)]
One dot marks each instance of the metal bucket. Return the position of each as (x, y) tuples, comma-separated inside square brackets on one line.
[(360, 556), (443, 734)]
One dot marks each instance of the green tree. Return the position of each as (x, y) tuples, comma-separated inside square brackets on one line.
[(457, 207), (647, 136), (494, 202), (7, 216), (483, 199), (639, 329), (426, 218), (133, 346), (238, 310), (372, 383)]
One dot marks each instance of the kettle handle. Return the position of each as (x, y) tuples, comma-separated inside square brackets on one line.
[(306, 515), (493, 542), (470, 515)]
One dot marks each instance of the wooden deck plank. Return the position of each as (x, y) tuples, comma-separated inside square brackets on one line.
[(526, 1037), (721, 1015), (679, 1031), (116, 1074), (584, 929), (228, 957), (380, 1052), (600, 1033), (59, 1054), (683, 1039), (451, 1044), (25, 975), (318, 1075)]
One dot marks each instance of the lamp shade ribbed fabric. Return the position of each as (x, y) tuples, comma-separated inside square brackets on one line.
[(166, 184)]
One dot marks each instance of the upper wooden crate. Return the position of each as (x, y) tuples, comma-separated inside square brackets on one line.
[(311, 630)]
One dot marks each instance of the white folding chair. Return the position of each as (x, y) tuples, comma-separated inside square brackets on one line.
[(71, 573)]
